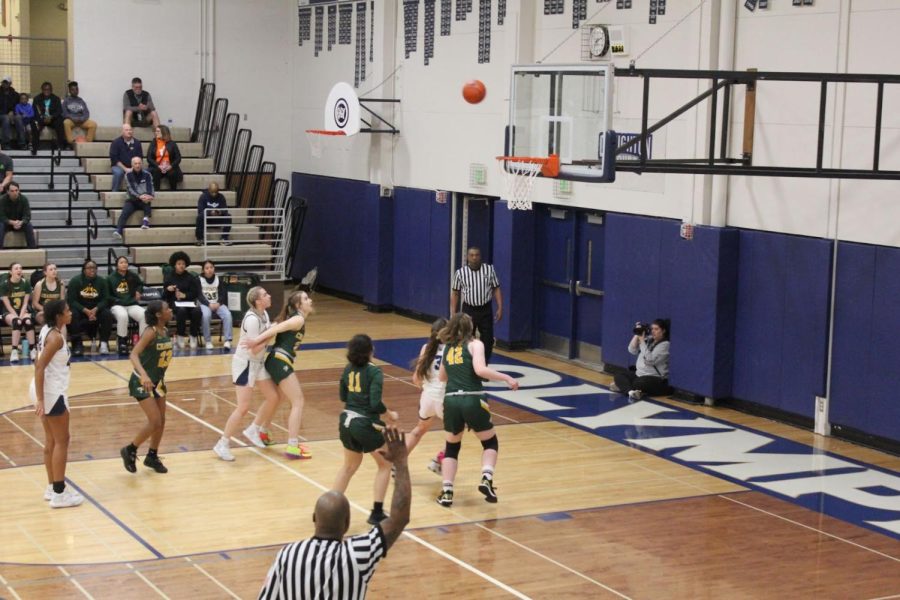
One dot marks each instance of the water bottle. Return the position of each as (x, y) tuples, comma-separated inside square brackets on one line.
[(25, 348)]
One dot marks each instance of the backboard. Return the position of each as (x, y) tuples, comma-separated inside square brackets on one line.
[(564, 110)]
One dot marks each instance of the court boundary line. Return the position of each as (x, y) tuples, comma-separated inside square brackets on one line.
[(12, 591), (213, 579), (322, 487), (146, 580)]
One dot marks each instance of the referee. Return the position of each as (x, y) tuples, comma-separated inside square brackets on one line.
[(329, 566), (477, 283)]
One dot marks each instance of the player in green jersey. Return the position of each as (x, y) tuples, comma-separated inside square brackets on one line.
[(288, 334), (360, 426), (150, 357), (15, 306), (465, 404)]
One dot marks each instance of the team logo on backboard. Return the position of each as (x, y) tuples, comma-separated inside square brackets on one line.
[(341, 113)]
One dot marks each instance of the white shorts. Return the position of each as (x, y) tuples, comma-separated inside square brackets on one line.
[(54, 404), (247, 372), (431, 402)]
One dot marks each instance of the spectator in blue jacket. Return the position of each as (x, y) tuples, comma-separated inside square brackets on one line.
[(140, 194), (218, 215), (121, 151)]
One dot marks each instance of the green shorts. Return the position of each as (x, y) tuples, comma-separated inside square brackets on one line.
[(461, 411), (278, 367), (360, 434), (137, 391)]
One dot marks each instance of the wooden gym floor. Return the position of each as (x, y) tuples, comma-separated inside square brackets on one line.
[(580, 516)]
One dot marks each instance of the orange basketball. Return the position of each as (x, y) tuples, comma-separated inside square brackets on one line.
[(474, 91)]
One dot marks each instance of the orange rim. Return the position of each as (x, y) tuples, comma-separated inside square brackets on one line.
[(549, 164), (325, 132)]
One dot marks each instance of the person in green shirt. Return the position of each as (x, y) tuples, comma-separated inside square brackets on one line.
[(288, 334), (88, 297), (15, 293), (465, 404), (125, 291), (15, 215), (360, 425), (49, 288), (150, 358)]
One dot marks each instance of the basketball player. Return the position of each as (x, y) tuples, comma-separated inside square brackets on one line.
[(360, 423), (47, 289), (150, 357), (426, 374), (248, 370), (15, 293), (288, 334), (465, 405), (49, 393)]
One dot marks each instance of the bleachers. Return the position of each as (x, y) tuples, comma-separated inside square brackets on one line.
[(164, 199), (101, 150), (190, 182), (188, 165), (145, 134), (169, 217), (33, 258), (16, 239), (153, 275), (177, 235), (156, 255)]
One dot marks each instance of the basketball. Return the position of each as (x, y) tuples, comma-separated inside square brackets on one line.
[(474, 91)]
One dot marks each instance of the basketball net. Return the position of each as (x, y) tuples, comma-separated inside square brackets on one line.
[(317, 137), (520, 172)]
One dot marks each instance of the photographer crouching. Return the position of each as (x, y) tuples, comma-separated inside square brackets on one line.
[(651, 375)]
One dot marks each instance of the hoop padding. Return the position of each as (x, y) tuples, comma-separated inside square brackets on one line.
[(520, 172), (317, 137)]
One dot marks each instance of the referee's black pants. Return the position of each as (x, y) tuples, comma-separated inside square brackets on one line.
[(483, 320)]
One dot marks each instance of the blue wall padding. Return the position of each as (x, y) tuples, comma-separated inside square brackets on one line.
[(337, 220), (513, 256), (781, 330), (638, 258), (702, 283), (378, 250), (866, 356), (421, 265)]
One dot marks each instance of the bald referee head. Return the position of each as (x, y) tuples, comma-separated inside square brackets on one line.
[(332, 516)]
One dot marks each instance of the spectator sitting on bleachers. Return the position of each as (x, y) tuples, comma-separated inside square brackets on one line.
[(164, 159), (9, 97), (15, 292), (76, 114), (125, 290), (48, 112), (182, 292), (15, 215), (218, 215), (140, 194), (212, 301), (49, 287), (138, 106), (25, 118), (88, 297), (121, 151)]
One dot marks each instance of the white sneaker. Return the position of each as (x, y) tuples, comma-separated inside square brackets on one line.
[(434, 466), (635, 394), (66, 499), (223, 451), (252, 434), (104, 348), (48, 493), (193, 343), (209, 345), (181, 341), (32, 355), (227, 345), (13, 355), (117, 235)]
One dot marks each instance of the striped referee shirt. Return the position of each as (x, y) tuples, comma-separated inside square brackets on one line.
[(476, 287), (323, 569)]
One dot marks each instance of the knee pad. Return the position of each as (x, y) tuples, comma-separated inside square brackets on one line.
[(491, 443), (16, 324), (27, 324), (452, 450)]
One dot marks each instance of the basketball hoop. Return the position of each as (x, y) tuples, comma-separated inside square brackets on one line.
[(317, 137), (520, 173)]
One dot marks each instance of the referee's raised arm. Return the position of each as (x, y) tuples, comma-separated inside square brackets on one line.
[(396, 453)]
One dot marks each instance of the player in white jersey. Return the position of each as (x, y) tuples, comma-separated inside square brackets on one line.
[(431, 401), (247, 371), (49, 392)]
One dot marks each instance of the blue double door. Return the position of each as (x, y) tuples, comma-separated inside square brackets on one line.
[(569, 283)]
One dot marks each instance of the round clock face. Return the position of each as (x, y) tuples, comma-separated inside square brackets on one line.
[(599, 41)]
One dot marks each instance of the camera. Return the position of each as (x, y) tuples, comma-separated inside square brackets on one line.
[(641, 328)]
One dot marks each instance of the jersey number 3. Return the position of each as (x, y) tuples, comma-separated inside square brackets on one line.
[(353, 383), (454, 356)]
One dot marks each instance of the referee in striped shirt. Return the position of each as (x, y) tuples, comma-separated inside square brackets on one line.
[(476, 283), (328, 566)]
